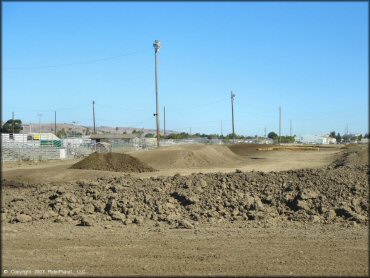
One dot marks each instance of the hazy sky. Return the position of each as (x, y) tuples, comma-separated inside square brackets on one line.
[(310, 58)]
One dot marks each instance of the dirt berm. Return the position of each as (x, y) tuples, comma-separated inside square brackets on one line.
[(337, 193), (189, 156), (117, 162)]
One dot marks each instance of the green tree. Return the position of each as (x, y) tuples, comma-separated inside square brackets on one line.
[(182, 135), (61, 133), (272, 135), (8, 126), (332, 134), (149, 135), (287, 139), (338, 137)]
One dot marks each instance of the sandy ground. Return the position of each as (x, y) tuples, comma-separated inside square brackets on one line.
[(221, 249), (225, 250), (163, 161)]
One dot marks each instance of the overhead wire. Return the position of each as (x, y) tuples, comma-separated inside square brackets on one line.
[(119, 108), (76, 63), (196, 106)]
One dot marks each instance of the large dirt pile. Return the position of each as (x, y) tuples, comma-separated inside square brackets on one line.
[(333, 194), (189, 156), (117, 162), (352, 156)]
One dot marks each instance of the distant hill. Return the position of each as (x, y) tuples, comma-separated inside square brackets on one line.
[(70, 128)]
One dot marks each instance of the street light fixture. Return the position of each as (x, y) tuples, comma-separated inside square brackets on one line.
[(157, 46)]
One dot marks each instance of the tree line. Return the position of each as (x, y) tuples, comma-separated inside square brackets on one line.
[(8, 127)]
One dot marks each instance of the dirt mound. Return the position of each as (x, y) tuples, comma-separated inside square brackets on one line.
[(352, 156), (116, 162), (189, 157), (329, 195), (290, 148), (244, 149), (251, 149)]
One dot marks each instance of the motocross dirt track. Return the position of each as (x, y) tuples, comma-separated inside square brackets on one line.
[(117, 162), (287, 220)]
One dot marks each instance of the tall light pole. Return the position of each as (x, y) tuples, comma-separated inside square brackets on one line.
[(279, 124), (157, 46), (94, 115), (55, 122), (13, 123), (74, 128), (39, 124), (232, 112), (164, 121)]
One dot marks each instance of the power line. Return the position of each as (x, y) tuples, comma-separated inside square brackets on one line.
[(76, 63), (196, 106), (120, 108), (17, 109)]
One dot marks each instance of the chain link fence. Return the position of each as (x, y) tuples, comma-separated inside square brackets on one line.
[(72, 148)]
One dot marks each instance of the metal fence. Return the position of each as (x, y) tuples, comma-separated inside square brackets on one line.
[(34, 151)]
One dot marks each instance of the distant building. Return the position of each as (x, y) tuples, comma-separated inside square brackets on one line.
[(28, 137), (265, 141), (316, 139), (332, 140), (112, 137), (17, 137), (42, 136)]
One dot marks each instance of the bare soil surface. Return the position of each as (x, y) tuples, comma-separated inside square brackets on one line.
[(307, 221), (252, 160), (190, 156), (117, 162), (311, 250)]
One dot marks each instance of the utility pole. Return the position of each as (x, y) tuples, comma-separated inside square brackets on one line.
[(279, 124), (265, 133), (39, 124), (157, 46), (164, 121), (190, 131), (290, 128), (13, 122), (55, 122), (94, 116), (232, 112), (221, 129), (74, 128)]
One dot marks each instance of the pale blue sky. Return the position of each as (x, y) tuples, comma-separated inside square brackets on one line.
[(309, 57)]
